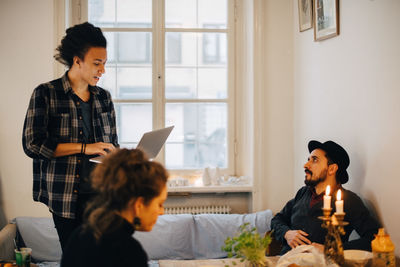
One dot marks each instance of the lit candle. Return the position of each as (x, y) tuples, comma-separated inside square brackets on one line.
[(327, 198), (339, 202)]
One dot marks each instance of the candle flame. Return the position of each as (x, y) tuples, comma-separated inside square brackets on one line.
[(328, 190), (339, 195)]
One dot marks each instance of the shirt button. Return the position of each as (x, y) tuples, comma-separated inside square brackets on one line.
[(77, 103), (75, 191), (80, 132), (79, 161), (80, 117), (77, 176)]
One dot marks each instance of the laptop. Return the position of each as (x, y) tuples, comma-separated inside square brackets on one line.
[(150, 143)]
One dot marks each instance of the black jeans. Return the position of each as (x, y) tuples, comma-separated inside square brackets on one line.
[(65, 226)]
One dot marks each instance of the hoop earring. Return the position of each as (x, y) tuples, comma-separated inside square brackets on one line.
[(136, 223)]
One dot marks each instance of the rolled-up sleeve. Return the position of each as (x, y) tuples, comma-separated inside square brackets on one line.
[(36, 141)]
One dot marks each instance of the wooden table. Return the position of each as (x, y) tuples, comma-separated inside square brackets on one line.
[(207, 263)]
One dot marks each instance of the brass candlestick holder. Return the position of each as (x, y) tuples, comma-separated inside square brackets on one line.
[(333, 247)]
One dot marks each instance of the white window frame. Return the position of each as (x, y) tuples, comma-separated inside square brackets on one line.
[(77, 12)]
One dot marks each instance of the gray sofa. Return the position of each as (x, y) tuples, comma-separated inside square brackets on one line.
[(181, 236)]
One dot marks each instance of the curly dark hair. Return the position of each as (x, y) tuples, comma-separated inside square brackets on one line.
[(124, 175), (77, 41)]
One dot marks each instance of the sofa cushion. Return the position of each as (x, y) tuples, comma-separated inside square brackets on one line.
[(41, 236), (171, 238), (188, 236), (211, 230)]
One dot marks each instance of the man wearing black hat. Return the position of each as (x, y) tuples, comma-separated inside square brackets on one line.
[(298, 224)]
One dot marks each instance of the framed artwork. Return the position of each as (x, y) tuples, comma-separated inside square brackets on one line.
[(326, 19), (305, 15)]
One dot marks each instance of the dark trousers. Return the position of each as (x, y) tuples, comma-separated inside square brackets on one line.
[(65, 226)]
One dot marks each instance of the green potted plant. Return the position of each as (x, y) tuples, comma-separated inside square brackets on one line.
[(248, 245)]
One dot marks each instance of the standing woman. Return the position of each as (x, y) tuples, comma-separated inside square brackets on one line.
[(132, 191), (70, 120)]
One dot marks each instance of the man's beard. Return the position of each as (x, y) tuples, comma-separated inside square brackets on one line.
[(313, 182)]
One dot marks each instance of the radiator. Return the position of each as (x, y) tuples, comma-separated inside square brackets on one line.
[(226, 209)]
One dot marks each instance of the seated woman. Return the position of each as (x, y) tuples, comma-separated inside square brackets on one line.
[(131, 192)]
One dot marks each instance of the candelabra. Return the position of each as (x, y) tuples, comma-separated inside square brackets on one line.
[(333, 247)]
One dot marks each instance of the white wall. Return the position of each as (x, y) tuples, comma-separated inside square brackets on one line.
[(26, 51), (273, 104), (347, 90)]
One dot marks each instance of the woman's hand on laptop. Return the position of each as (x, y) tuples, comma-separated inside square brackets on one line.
[(99, 148)]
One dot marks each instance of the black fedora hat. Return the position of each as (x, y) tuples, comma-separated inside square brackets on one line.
[(337, 154)]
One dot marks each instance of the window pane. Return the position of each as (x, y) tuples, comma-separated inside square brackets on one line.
[(186, 46), (129, 47), (199, 137), (195, 13), (134, 12), (180, 83), (214, 48), (101, 12), (111, 46), (128, 70), (120, 13), (134, 47), (212, 83), (202, 70), (133, 120), (134, 83), (173, 49)]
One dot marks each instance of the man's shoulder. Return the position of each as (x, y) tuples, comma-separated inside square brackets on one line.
[(359, 209), (354, 204), (353, 200), (102, 93), (350, 194), (49, 86), (303, 190)]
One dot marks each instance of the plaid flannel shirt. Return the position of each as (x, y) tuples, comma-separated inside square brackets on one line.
[(53, 117)]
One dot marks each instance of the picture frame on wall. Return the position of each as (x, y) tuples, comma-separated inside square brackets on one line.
[(305, 14), (326, 19)]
